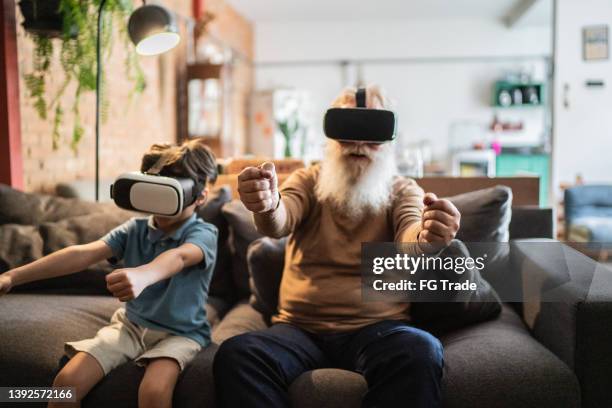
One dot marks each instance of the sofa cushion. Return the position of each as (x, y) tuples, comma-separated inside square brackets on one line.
[(485, 214), (314, 388), (35, 328), (509, 366)]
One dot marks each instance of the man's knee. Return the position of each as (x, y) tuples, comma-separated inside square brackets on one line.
[(426, 351), (415, 350)]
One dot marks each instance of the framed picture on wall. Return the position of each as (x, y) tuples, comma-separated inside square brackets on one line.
[(595, 43)]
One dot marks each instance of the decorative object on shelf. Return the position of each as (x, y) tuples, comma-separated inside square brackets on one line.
[(499, 126), (74, 23), (516, 93), (595, 43)]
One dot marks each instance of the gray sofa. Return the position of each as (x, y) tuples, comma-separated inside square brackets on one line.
[(536, 354)]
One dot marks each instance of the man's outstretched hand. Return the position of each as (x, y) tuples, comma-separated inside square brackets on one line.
[(258, 188), (440, 223)]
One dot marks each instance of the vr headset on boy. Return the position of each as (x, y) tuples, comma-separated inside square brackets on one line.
[(153, 193), (360, 124)]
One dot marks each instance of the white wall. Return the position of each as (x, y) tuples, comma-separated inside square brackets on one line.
[(329, 40), (582, 142), (443, 71)]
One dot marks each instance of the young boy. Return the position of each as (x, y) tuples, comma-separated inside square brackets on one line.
[(168, 266)]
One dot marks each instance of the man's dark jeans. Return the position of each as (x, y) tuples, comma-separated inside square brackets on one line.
[(401, 364)]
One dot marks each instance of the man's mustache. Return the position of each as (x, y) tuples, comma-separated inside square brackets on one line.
[(360, 150)]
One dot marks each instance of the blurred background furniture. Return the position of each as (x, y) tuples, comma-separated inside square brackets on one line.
[(588, 218)]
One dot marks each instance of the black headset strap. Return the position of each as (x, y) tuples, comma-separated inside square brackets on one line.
[(360, 96)]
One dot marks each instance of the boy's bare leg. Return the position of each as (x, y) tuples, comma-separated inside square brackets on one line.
[(158, 383), (82, 372)]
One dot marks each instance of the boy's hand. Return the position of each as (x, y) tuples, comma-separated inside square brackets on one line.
[(258, 188), (6, 283), (126, 284), (440, 223)]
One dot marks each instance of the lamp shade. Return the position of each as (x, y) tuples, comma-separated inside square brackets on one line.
[(152, 28)]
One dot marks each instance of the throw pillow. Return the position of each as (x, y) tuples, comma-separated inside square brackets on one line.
[(19, 244), (485, 214), (266, 258), (221, 284), (18, 207), (241, 233)]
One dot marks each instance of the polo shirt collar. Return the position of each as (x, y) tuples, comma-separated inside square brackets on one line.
[(155, 234)]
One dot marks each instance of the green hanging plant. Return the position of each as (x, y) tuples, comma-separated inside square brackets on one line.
[(77, 56)]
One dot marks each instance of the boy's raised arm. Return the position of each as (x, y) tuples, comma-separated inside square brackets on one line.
[(126, 284), (63, 262)]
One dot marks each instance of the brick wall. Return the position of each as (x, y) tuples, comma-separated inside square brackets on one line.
[(132, 125)]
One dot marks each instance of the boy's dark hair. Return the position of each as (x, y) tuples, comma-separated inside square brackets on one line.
[(192, 159)]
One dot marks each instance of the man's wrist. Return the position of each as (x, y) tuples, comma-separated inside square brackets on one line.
[(272, 210)]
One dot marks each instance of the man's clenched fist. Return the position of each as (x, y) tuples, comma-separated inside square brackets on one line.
[(440, 222), (258, 188)]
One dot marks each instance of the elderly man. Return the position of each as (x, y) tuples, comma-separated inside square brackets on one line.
[(328, 210)]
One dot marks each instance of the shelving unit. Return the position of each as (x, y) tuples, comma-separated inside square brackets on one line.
[(512, 164), (525, 88)]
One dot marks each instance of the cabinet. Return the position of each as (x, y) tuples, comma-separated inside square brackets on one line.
[(508, 165)]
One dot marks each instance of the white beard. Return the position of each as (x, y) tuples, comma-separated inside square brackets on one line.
[(357, 188)]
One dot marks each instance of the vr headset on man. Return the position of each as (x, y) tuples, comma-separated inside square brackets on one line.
[(360, 124), (154, 193)]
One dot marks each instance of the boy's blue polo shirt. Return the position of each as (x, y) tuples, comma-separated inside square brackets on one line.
[(176, 304)]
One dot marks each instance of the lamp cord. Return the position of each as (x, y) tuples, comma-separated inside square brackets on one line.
[(98, 83)]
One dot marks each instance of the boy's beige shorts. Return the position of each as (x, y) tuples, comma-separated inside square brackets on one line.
[(122, 341)]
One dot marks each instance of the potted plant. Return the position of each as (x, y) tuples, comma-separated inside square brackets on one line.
[(77, 54), (42, 17), (289, 120)]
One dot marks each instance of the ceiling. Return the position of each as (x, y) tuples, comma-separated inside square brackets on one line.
[(338, 10)]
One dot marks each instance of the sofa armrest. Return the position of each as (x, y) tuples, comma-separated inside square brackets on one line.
[(572, 316)]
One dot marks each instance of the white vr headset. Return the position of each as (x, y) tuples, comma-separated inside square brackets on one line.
[(154, 194)]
